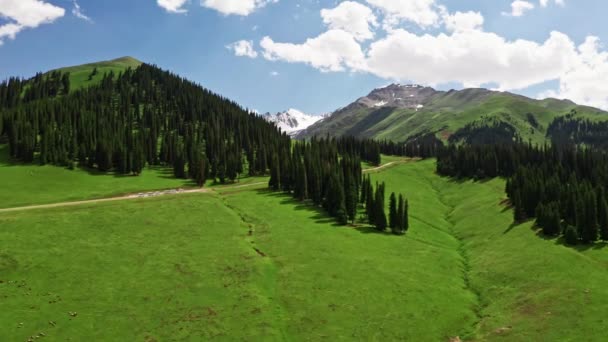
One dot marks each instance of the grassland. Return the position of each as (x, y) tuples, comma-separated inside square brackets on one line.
[(26, 184), (79, 75), (246, 264)]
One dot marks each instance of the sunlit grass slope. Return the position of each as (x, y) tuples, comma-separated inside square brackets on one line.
[(247, 264)]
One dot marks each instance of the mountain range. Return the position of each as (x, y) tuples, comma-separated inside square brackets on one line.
[(400, 112)]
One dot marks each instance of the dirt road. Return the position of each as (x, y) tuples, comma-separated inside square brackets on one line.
[(127, 197), (156, 194)]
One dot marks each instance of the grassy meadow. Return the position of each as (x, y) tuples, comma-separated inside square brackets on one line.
[(27, 184), (248, 264), (79, 75)]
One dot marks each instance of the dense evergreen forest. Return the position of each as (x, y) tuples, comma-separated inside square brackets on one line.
[(142, 116), (562, 186), (568, 130)]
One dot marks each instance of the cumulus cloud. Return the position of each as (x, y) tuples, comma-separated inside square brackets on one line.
[(173, 6), (334, 50), (545, 3), (473, 58), (351, 17), (22, 14), (519, 8), (463, 53), (243, 48), (79, 13), (463, 21), (585, 80), (236, 7), (424, 13)]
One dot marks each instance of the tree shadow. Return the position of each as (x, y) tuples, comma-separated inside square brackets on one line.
[(517, 224), (318, 215)]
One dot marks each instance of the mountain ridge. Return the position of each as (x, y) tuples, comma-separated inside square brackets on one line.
[(399, 112)]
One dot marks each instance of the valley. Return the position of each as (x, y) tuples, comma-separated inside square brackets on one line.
[(137, 205), (273, 170), (287, 272)]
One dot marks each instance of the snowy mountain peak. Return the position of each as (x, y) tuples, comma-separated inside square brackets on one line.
[(292, 121)]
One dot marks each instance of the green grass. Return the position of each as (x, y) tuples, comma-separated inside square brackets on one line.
[(162, 269), (79, 75), (186, 268), (26, 184)]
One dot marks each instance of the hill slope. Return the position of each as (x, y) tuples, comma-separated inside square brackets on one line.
[(79, 74), (187, 267), (399, 112)]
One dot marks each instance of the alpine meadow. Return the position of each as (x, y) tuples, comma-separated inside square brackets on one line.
[(453, 185)]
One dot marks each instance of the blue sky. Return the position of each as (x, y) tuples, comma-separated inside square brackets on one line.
[(551, 49)]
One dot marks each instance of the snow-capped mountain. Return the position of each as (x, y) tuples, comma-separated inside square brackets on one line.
[(292, 121)]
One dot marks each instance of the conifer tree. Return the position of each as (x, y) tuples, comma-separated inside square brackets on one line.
[(379, 213), (400, 215), (392, 213)]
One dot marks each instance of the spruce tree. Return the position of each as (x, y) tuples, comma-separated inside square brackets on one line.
[(379, 213), (392, 213), (400, 216)]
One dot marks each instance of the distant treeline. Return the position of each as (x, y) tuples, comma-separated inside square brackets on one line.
[(568, 130), (562, 186), (138, 117)]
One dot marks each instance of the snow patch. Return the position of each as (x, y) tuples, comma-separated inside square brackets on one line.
[(293, 121), (380, 104)]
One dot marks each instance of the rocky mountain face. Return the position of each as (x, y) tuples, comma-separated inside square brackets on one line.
[(398, 96), (293, 121)]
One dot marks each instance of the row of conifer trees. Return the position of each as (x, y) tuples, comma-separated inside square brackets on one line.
[(316, 171)]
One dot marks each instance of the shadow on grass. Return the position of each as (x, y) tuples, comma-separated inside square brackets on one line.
[(318, 214), (559, 240)]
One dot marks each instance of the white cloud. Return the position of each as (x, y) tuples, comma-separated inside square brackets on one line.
[(519, 8), (173, 6), (585, 80), (274, 73), (23, 14), (473, 58), (463, 21), (351, 17), (464, 53), (243, 48), (79, 13), (334, 50), (236, 7), (424, 13), (545, 3)]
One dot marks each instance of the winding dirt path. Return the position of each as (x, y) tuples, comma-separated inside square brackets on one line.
[(148, 194)]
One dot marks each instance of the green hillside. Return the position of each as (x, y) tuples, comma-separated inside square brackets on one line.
[(284, 271), (446, 112), (79, 75)]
